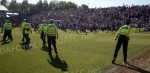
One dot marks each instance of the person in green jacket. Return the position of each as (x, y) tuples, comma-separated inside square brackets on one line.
[(52, 33), (7, 28), (42, 31), (27, 29), (123, 37), (22, 25)]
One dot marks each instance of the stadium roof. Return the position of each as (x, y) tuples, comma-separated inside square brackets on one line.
[(3, 8)]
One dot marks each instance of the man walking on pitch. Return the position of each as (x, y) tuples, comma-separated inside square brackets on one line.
[(27, 28), (51, 35), (123, 37), (42, 30), (7, 31), (23, 33)]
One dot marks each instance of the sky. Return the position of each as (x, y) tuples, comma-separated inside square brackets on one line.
[(100, 3)]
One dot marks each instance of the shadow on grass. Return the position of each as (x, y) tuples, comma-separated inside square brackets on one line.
[(58, 63), (4, 43), (44, 48), (129, 66), (25, 46)]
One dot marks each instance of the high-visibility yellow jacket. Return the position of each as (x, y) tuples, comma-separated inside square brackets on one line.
[(51, 30), (27, 28), (42, 28), (123, 30), (7, 26)]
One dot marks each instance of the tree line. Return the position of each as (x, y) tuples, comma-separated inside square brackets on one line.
[(40, 6)]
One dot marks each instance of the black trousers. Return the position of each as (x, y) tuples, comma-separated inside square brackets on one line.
[(122, 40), (23, 34), (26, 36), (52, 40), (7, 33), (43, 37)]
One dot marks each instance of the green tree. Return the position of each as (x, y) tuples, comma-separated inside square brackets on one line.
[(53, 5), (62, 5), (25, 7), (71, 5), (39, 6), (33, 9), (13, 6), (3, 2), (50, 6), (45, 5), (84, 6)]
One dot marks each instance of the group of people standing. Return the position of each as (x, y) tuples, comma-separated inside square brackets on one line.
[(49, 30), (45, 29)]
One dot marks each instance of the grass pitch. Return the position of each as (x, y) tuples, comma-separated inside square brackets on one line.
[(78, 53)]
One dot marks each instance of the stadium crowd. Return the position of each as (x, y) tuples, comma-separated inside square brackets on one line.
[(96, 18)]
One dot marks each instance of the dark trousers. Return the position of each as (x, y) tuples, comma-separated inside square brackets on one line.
[(26, 36), (52, 40), (23, 34), (122, 40), (7, 33), (43, 37)]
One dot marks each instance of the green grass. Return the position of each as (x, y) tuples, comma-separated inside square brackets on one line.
[(80, 52)]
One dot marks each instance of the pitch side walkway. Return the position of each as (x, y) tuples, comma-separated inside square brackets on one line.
[(138, 64)]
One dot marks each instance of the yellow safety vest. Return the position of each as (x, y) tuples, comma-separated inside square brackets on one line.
[(42, 28), (51, 30), (7, 26), (27, 28), (123, 30)]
